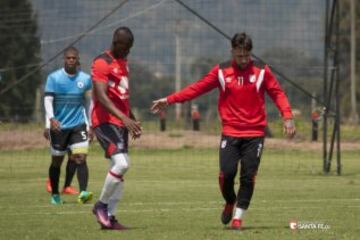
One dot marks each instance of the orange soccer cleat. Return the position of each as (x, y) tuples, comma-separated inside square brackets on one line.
[(48, 185), (70, 190)]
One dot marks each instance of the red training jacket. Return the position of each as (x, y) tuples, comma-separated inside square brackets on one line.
[(241, 102)]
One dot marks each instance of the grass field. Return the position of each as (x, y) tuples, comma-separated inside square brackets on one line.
[(173, 194)]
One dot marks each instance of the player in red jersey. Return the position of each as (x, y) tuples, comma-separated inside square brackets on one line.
[(242, 84), (112, 120)]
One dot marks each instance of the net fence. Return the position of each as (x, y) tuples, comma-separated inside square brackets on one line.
[(174, 47)]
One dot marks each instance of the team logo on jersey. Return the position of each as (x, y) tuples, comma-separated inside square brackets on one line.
[(228, 79), (223, 143), (252, 78), (80, 84)]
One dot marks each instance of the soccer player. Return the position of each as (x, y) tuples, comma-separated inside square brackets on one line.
[(242, 84), (66, 118), (112, 120)]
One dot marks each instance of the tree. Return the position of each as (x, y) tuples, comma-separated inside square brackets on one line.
[(208, 102), (344, 56), (19, 52), (302, 69), (145, 87)]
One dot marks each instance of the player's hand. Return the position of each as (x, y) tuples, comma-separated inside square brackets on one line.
[(138, 135), (55, 125), (289, 128), (134, 127), (46, 134), (159, 105), (91, 134)]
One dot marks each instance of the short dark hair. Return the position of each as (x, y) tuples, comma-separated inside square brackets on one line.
[(71, 49), (126, 30), (241, 40)]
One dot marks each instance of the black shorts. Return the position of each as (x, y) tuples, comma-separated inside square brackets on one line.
[(74, 139), (113, 139)]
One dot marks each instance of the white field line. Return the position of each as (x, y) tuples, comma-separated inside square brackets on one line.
[(294, 205), (156, 210)]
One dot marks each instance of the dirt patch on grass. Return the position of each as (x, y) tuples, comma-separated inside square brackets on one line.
[(190, 139), (22, 139)]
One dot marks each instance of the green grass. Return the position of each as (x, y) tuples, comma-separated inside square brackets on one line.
[(303, 126), (174, 195)]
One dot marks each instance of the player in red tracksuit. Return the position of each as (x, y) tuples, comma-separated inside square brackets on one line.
[(242, 84)]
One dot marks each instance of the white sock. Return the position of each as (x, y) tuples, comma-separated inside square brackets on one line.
[(239, 213), (114, 199), (119, 164), (110, 185)]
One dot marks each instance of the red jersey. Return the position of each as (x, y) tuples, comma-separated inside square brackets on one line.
[(195, 115), (114, 73), (241, 102)]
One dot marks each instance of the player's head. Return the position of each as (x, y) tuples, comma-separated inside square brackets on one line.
[(241, 44), (123, 40), (71, 60)]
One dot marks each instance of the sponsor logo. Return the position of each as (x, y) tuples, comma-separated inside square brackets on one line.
[(123, 85)]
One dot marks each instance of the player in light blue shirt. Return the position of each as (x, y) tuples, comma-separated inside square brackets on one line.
[(67, 125)]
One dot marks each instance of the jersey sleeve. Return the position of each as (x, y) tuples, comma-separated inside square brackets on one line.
[(49, 86), (202, 86), (277, 94), (100, 71), (89, 84)]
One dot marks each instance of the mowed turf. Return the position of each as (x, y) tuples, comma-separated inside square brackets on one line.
[(174, 194)]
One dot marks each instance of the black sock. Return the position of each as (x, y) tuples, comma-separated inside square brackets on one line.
[(70, 172), (83, 175), (54, 173)]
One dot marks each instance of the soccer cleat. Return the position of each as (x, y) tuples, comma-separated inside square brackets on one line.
[(101, 212), (48, 186), (115, 225), (85, 197), (236, 224), (227, 212), (56, 200), (70, 190)]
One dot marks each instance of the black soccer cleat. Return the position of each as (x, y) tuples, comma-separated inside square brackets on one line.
[(227, 213)]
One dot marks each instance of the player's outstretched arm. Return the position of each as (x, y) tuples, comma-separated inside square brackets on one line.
[(289, 128), (159, 105)]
